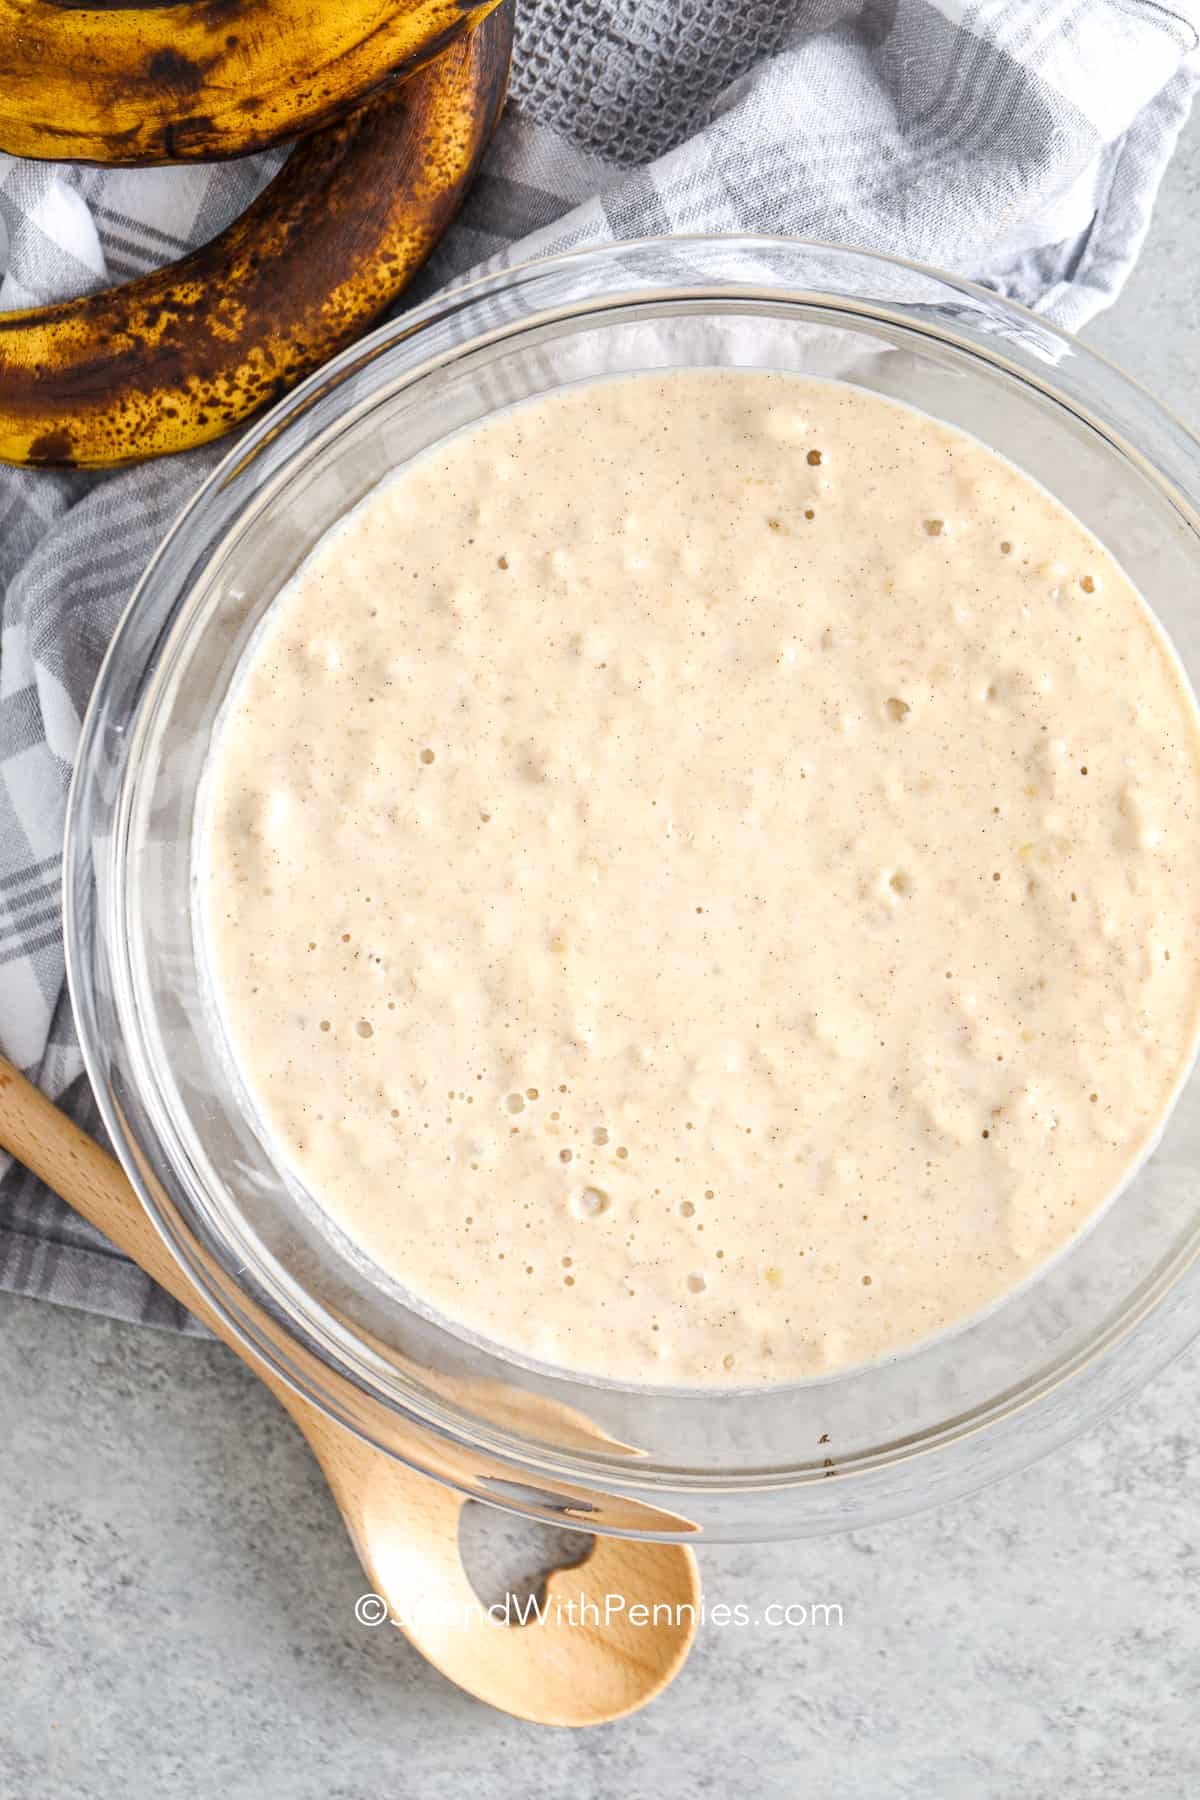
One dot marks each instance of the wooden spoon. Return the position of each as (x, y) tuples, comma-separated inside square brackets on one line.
[(583, 1661)]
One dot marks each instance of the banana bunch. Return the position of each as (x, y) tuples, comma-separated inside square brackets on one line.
[(135, 81), (179, 356)]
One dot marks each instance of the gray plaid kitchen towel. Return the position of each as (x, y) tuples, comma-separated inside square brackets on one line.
[(1016, 141)]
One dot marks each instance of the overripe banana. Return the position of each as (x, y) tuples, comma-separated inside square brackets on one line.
[(181, 355), (135, 81)]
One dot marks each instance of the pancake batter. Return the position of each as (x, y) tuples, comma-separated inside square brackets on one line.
[(703, 877)]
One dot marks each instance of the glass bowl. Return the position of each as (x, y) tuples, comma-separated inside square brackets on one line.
[(791, 1460)]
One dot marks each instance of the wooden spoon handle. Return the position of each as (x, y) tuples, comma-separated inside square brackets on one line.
[(577, 1667), (92, 1182)]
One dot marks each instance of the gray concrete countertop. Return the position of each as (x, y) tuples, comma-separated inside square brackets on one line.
[(176, 1591)]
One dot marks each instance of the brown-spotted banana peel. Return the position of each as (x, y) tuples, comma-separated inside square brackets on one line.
[(148, 81), (178, 357)]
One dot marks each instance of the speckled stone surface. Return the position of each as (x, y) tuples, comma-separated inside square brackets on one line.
[(176, 1592)]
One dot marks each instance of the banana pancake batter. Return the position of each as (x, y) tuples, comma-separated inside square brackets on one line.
[(702, 877)]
